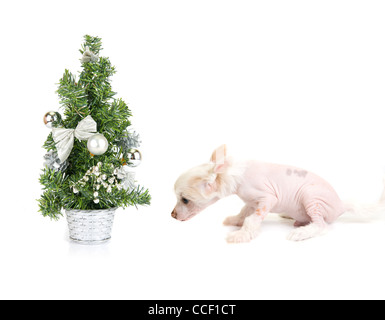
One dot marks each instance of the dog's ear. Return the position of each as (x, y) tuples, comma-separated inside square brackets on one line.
[(209, 185), (219, 158)]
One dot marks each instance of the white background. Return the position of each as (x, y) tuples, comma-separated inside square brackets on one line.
[(294, 82)]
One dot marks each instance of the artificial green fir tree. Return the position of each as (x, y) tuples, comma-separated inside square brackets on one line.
[(91, 149)]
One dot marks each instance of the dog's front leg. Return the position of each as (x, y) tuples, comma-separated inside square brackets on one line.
[(239, 219), (248, 231), (252, 223)]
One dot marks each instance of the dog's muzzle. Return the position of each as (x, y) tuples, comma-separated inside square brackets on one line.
[(174, 214)]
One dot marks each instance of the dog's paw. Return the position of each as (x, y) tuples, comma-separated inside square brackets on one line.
[(306, 232), (239, 236), (298, 235), (232, 221)]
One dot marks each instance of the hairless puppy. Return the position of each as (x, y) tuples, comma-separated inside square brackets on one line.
[(298, 194)]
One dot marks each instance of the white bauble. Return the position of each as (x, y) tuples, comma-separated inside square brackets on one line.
[(97, 144)]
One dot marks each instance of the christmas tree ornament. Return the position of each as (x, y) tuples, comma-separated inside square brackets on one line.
[(130, 140), (127, 178), (50, 117), (89, 56), (52, 162), (134, 157), (97, 144), (64, 138), (109, 181)]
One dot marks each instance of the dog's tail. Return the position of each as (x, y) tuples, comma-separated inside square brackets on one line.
[(367, 211)]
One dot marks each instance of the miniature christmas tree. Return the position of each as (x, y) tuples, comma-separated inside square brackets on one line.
[(91, 150)]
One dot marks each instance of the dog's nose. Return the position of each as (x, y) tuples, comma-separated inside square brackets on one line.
[(173, 214)]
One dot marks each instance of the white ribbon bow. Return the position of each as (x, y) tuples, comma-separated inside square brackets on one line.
[(64, 138)]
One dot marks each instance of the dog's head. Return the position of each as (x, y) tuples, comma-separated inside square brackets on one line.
[(200, 187)]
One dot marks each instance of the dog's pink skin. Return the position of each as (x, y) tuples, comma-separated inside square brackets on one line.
[(264, 187), (299, 194)]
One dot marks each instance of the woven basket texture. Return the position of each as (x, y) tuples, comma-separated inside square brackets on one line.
[(90, 226)]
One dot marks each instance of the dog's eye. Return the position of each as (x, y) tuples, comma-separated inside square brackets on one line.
[(185, 201)]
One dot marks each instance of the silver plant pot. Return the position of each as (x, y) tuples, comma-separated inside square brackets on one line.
[(90, 226)]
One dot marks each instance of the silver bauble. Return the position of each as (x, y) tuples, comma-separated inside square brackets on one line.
[(97, 144), (134, 157), (50, 117)]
